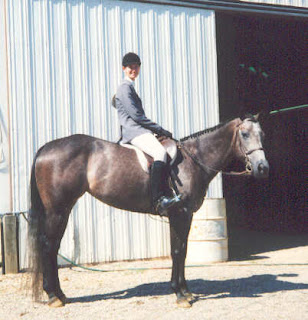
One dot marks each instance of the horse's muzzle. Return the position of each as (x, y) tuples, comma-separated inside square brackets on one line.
[(261, 169)]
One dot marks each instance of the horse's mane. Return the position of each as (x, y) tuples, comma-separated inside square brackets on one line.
[(200, 133), (208, 130)]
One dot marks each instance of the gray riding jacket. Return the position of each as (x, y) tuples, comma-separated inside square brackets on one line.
[(131, 114)]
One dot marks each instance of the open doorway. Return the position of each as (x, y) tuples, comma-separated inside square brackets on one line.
[(263, 66)]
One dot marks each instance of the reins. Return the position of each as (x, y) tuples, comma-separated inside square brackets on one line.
[(206, 168)]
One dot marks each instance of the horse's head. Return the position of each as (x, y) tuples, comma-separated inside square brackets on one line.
[(249, 147)]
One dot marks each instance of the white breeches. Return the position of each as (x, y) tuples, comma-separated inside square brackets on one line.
[(151, 146)]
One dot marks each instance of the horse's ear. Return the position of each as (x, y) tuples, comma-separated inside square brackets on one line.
[(261, 116)]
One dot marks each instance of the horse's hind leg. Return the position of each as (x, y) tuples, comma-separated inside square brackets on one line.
[(50, 239)]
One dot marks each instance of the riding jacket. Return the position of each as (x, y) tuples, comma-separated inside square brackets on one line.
[(132, 118)]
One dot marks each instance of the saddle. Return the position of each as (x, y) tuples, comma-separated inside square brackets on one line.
[(146, 161)]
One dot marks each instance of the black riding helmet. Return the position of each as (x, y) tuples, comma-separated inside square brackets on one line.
[(131, 58)]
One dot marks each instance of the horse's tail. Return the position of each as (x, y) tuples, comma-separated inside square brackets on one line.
[(36, 214)]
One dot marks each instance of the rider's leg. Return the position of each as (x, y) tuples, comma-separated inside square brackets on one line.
[(159, 173), (151, 146)]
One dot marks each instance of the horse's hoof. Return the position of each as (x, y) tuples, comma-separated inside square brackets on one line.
[(63, 298), (55, 302), (183, 302), (189, 296)]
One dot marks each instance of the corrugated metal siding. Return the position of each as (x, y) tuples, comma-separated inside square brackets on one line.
[(64, 67), (293, 3), (5, 189)]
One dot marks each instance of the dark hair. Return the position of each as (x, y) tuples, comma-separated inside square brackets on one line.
[(130, 58)]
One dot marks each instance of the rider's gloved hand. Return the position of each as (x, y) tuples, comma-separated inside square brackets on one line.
[(165, 133)]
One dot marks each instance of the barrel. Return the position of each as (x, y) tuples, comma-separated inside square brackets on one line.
[(208, 238)]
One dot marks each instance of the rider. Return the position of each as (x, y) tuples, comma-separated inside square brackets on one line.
[(139, 131)]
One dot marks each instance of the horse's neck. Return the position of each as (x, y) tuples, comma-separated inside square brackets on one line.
[(214, 149)]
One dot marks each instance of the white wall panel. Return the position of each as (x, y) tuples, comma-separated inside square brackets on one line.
[(5, 186), (293, 3), (64, 65)]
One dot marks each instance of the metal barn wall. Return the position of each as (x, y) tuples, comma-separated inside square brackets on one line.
[(63, 67), (5, 189)]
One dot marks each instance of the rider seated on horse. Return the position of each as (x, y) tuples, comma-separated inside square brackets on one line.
[(139, 131)]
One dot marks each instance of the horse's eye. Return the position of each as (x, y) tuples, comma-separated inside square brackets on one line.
[(245, 135)]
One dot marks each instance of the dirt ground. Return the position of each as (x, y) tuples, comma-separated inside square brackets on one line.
[(257, 284)]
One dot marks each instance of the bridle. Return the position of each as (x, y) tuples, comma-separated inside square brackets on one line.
[(205, 168), (246, 153)]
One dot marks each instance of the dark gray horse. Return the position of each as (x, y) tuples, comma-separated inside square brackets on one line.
[(63, 170)]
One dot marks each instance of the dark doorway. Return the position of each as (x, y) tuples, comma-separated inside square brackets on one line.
[(263, 66)]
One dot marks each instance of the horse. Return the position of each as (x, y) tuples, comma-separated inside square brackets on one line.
[(64, 169)]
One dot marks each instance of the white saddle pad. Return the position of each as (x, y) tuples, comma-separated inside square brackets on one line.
[(169, 145)]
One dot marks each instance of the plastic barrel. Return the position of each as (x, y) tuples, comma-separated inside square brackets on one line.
[(208, 238)]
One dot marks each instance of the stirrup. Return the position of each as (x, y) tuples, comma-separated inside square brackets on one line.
[(164, 203)]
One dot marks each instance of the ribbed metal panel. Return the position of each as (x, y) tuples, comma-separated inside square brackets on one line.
[(293, 3), (5, 188), (64, 65)]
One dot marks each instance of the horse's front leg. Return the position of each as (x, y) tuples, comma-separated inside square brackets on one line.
[(179, 229)]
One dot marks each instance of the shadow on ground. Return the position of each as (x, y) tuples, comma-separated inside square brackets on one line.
[(244, 244), (251, 287)]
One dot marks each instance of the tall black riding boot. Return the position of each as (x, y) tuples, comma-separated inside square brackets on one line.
[(159, 176)]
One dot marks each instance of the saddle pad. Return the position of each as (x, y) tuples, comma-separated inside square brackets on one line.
[(168, 144)]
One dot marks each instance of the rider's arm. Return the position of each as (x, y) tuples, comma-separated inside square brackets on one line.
[(129, 102)]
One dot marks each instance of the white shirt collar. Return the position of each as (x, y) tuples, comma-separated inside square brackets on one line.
[(130, 80)]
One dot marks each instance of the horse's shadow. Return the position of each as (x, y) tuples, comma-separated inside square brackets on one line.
[(250, 287)]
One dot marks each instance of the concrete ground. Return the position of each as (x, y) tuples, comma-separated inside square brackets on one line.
[(266, 279)]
